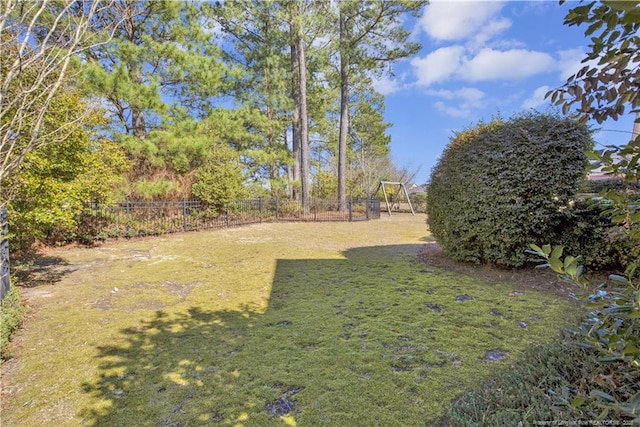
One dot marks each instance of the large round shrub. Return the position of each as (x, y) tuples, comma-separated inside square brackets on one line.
[(505, 184)]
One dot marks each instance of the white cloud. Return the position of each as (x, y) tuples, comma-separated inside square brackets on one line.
[(462, 102), (570, 62), (465, 93), (488, 31), (537, 98), (512, 64), (451, 63), (458, 20), (453, 111), (385, 85), (439, 65)]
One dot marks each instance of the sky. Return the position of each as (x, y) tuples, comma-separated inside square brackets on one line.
[(480, 59)]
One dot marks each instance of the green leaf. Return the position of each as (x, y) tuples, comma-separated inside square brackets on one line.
[(578, 401), (618, 278), (556, 265), (536, 248), (557, 252), (630, 349)]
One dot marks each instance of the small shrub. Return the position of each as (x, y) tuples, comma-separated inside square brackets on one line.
[(12, 313), (503, 184), (220, 181), (419, 202)]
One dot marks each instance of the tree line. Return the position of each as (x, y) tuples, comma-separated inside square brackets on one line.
[(102, 99)]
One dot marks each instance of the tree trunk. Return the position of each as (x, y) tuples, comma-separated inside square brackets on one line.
[(344, 116), (137, 114), (304, 123), (295, 95)]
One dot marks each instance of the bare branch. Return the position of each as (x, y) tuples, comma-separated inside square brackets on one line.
[(41, 41)]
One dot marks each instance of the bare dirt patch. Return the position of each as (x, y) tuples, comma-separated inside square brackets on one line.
[(537, 279)]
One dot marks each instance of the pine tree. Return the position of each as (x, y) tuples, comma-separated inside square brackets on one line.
[(371, 37)]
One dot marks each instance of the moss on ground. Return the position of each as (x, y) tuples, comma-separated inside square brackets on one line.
[(333, 324)]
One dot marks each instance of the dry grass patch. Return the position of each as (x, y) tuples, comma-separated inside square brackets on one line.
[(271, 324)]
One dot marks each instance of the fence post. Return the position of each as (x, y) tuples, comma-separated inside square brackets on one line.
[(5, 272), (260, 203), (277, 208), (126, 206), (184, 215), (350, 204), (315, 209), (366, 209)]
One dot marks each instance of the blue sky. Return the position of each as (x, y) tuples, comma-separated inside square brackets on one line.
[(480, 59)]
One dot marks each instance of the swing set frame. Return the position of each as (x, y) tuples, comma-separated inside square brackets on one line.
[(400, 187)]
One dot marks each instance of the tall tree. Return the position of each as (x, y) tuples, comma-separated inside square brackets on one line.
[(39, 41), (256, 39), (299, 64), (368, 159), (163, 64), (371, 36), (162, 69)]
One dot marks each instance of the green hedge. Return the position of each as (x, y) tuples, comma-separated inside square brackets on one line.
[(12, 313), (505, 184), (589, 232)]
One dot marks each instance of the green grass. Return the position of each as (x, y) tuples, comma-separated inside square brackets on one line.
[(334, 324)]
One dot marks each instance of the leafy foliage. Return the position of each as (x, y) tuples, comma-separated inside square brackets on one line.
[(610, 78), (503, 184), (606, 185), (220, 180), (40, 42), (160, 66), (604, 88), (12, 313), (612, 329), (49, 191), (549, 382), (588, 230)]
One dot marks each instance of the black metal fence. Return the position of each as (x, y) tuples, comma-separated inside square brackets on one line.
[(5, 272), (140, 218)]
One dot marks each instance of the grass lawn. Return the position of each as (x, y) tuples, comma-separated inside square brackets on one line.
[(318, 324)]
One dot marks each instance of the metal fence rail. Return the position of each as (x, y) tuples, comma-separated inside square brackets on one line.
[(140, 218), (5, 272)]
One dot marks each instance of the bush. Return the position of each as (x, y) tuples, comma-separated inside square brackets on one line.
[(220, 181), (588, 231), (503, 184), (11, 315), (552, 382), (419, 202)]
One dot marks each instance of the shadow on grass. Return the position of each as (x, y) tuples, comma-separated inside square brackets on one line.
[(349, 342), (38, 270)]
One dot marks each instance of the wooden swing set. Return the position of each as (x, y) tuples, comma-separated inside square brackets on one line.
[(395, 196)]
